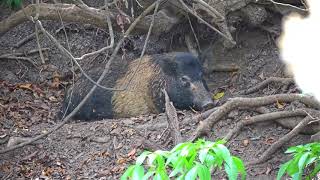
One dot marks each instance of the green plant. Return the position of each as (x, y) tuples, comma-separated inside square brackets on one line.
[(11, 3), (187, 161), (303, 156)]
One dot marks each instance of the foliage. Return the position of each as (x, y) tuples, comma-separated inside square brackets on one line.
[(187, 161), (11, 3), (303, 156)]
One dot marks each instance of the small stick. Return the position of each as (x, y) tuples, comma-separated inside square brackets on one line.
[(172, 118), (25, 40)]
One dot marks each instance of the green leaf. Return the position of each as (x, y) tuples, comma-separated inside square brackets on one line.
[(178, 147), (160, 162), (157, 177), (203, 154), (283, 169), (203, 172), (128, 173), (178, 168), (302, 162), (315, 171), (148, 175), (138, 172), (231, 171), (151, 158), (172, 159), (211, 161), (293, 167), (294, 149), (142, 157), (192, 174), (240, 166), (311, 160), (164, 175)]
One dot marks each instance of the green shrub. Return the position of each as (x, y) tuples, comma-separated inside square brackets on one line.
[(11, 3), (186, 161), (304, 157)]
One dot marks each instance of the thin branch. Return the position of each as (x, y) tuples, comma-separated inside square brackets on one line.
[(213, 10), (206, 23), (70, 13), (194, 33), (38, 44), (24, 40), (289, 5)]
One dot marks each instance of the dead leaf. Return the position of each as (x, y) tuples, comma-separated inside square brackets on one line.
[(56, 80), (218, 95), (280, 105), (246, 142), (27, 86), (132, 152), (53, 99), (47, 171), (268, 170), (121, 161), (270, 141)]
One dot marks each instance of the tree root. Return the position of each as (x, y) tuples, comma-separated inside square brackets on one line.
[(204, 127), (265, 117), (274, 147), (265, 83), (309, 116)]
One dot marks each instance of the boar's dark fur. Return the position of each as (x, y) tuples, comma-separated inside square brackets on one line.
[(179, 73)]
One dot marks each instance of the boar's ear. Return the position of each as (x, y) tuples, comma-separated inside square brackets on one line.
[(169, 67)]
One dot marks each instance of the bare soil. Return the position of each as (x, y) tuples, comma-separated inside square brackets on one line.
[(29, 101)]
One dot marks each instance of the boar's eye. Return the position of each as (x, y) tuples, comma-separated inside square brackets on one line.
[(185, 80)]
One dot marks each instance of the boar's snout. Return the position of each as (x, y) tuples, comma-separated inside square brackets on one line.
[(201, 97), (207, 104)]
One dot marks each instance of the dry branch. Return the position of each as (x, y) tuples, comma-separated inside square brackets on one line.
[(172, 118), (71, 13), (205, 127)]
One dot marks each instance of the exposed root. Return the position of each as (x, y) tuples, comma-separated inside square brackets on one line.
[(265, 83), (264, 117), (204, 128), (193, 119), (172, 118), (274, 147), (224, 68), (309, 114), (149, 145), (16, 140)]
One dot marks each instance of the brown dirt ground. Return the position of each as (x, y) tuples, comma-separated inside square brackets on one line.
[(29, 103)]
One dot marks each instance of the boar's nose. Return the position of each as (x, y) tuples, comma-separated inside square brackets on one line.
[(207, 104)]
